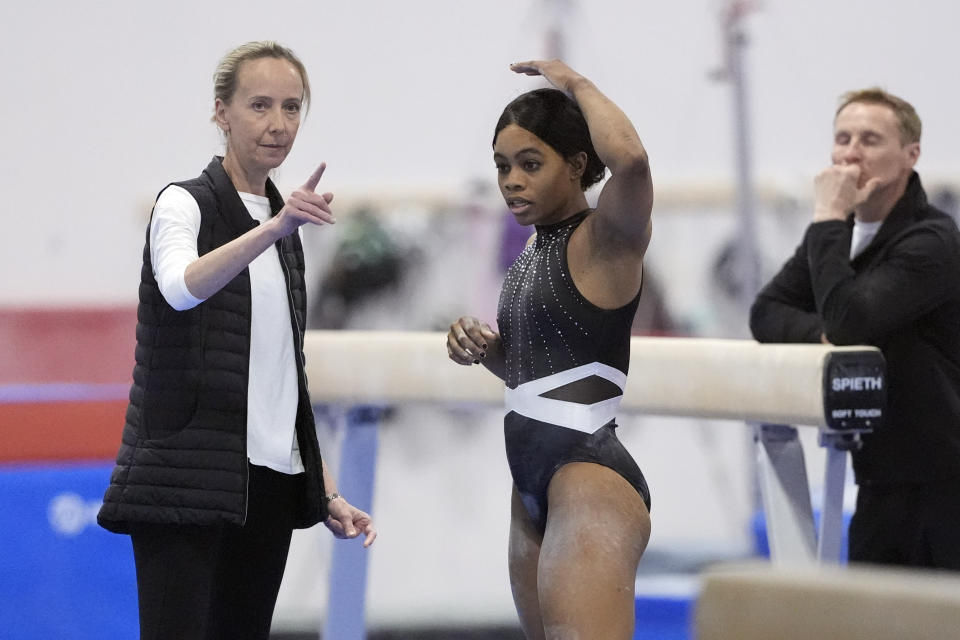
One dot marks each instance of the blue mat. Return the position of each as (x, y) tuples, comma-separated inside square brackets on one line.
[(62, 575), (663, 618)]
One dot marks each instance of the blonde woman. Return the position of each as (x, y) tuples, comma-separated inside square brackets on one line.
[(219, 459)]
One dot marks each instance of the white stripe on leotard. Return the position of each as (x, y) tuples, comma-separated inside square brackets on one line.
[(526, 400)]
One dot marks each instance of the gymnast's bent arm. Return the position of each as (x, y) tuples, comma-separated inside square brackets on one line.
[(470, 341), (626, 201)]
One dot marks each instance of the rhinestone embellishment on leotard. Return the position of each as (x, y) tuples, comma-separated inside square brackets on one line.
[(539, 331)]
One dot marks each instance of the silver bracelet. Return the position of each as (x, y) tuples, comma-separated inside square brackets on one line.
[(330, 497)]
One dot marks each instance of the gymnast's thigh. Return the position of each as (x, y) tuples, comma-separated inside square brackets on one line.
[(524, 559)]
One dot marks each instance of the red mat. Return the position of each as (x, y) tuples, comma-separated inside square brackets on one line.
[(40, 347)]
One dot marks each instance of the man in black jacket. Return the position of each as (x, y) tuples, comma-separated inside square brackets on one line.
[(880, 266)]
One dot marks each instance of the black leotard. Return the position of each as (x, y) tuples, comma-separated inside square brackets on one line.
[(566, 367)]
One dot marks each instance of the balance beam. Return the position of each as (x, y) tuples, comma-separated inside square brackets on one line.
[(692, 377)]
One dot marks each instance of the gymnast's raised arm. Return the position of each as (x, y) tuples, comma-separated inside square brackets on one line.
[(626, 200), (606, 254)]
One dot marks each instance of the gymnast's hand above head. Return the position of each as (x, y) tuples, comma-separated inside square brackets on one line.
[(346, 521), (556, 72), (607, 249), (470, 341)]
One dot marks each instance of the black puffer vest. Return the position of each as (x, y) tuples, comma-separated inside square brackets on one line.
[(183, 454)]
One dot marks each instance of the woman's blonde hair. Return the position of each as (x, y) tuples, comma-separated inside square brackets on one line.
[(225, 77)]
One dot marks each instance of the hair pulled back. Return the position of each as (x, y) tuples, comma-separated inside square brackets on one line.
[(228, 70), (556, 119)]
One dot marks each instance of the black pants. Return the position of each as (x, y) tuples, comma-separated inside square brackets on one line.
[(217, 582), (916, 526)]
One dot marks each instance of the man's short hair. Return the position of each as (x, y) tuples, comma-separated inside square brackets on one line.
[(907, 117)]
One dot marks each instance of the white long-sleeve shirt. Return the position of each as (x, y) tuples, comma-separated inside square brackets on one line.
[(272, 392)]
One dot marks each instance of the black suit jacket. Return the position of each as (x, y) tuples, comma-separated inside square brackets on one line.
[(902, 295)]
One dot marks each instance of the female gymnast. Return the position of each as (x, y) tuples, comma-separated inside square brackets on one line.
[(580, 511)]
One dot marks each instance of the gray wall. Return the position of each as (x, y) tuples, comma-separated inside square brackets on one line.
[(103, 103)]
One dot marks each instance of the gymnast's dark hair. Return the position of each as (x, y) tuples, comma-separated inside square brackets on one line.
[(556, 119)]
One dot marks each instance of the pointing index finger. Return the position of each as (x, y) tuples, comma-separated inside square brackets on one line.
[(312, 181)]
